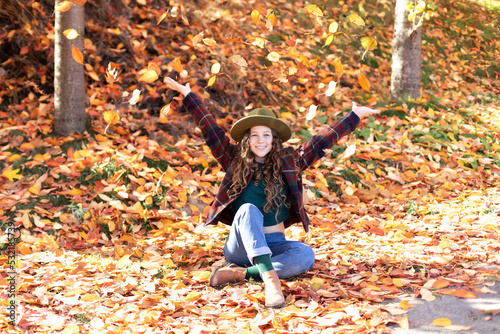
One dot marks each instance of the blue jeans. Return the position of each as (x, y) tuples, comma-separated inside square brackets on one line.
[(247, 240)]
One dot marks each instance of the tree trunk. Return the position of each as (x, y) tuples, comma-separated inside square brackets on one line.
[(69, 77), (406, 55)]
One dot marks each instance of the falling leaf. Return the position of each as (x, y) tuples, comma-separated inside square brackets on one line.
[(369, 43), (333, 27), (356, 19), (149, 76), (71, 33), (314, 10), (255, 15), (329, 40), (164, 111), (363, 82), (442, 322), (135, 97), (197, 39), (273, 56), (63, 6), (161, 18), (209, 41), (177, 64), (77, 55), (337, 64), (350, 150), (239, 60), (211, 81), (215, 68), (312, 112), (272, 18), (332, 85)]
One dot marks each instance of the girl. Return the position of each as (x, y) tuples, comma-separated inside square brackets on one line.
[(261, 193)]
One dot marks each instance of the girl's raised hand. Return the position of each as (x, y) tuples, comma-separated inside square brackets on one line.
[(172, 84), (362, 111)]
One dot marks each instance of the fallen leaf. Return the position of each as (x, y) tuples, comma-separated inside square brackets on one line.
[(442, 322)]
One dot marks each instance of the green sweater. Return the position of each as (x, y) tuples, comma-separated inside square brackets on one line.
[(255, 195)]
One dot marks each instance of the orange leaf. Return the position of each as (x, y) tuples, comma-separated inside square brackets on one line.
[(363, 82), (164, 111), (197, 39), (442, 322), (24, 50), (177, 64), (255, 16), (63, 6), (77, 55), (272, 18), (441, 283), (405, 304), (161, 18), (462, 293)]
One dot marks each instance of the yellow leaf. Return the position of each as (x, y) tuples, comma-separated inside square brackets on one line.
[(209, 41), (193, 295), (305, 61), (273, 56), (215, 68), (71, 329), (149, 76), (74, 292), (397, 282), (111, 117), (369, 43), (90, 297), (329, 40), (333, 27), (24, 248), (404, 323), (76, 192), (162, 17), (12, 174), (356, 19), (177, 64), (442, 322), (363, 82), (34, 190), (154, 67), (71, 33), (405, 304), (314, 10), (77, 55), (211, 81), (124, 261), (339, 68), (63, 6), (255, 15)]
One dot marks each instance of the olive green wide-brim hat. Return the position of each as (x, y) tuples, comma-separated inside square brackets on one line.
[(260, 116)]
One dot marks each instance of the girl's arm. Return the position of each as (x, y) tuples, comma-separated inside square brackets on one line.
[(215, 136), (314, 149)]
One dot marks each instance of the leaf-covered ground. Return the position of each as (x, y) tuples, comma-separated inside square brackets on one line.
[(110, 221)]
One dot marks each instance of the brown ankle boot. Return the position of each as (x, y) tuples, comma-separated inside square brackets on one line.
[(274, 295), (227, 274)]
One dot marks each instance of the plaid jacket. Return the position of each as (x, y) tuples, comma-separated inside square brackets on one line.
[(224, 152)]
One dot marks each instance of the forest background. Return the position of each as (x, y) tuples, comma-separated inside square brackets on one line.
[(110, 228)]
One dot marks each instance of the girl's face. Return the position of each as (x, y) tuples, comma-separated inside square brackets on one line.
[(261, 141)]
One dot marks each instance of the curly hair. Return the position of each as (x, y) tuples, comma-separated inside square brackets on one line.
[(270, 173)]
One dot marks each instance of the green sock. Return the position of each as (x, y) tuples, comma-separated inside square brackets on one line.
[(262, 264)]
